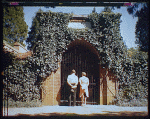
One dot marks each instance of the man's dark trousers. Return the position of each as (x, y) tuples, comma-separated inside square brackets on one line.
[(72, 94)]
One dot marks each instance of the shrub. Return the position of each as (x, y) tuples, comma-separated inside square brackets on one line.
[(12, 103)]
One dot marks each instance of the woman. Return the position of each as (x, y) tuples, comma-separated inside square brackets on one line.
[(84, 83)]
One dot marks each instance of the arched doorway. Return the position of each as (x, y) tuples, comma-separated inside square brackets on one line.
[(81, 56)]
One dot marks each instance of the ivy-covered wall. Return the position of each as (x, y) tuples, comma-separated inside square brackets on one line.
[(104, 36), (52, 38)]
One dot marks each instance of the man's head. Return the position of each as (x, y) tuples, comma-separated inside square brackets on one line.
[(83, 74), (73, 71)]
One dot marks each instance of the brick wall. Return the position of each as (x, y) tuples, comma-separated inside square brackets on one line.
[(108, 86), (51, 88), (111, 87), (24, 55)]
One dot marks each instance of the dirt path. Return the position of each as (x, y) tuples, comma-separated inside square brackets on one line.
[(88, 110)]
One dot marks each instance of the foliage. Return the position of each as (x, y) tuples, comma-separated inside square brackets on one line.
[(134, 88), (14, 104), (52, 40), (111, 46), (7, 59), (93, 11), (33, 33), (141, 10), (14, 26), (142, 29), (140, 62), (21, 80)]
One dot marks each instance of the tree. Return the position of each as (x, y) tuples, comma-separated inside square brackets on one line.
[(7, 59), (107, 9), (142, 26), (93, 11), (34, 32), (14, 26), (141, 10), (24, 76)]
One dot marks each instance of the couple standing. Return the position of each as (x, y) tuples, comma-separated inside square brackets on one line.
[(72, 81)]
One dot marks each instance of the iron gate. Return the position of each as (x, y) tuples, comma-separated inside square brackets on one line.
[(81, 59)]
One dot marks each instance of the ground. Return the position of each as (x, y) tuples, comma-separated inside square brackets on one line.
[(88, 110)]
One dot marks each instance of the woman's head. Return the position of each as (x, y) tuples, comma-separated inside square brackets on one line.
[(83, 74)]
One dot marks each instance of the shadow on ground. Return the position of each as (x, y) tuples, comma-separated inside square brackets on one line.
[(106, 113)]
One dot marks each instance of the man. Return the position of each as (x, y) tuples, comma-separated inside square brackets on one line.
[(72, 81), (84, 83)]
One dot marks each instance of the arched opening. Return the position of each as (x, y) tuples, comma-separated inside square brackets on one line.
[(81, 56)]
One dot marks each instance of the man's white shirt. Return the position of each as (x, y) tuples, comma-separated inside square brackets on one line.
[(72, 79)]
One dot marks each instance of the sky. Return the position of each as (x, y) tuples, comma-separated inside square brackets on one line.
[(127, 26)]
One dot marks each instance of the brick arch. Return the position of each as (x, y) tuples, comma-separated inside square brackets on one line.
[(81, 56), (52, 87), (84, 43)]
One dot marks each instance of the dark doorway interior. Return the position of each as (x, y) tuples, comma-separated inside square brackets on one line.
[(80, 58)]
